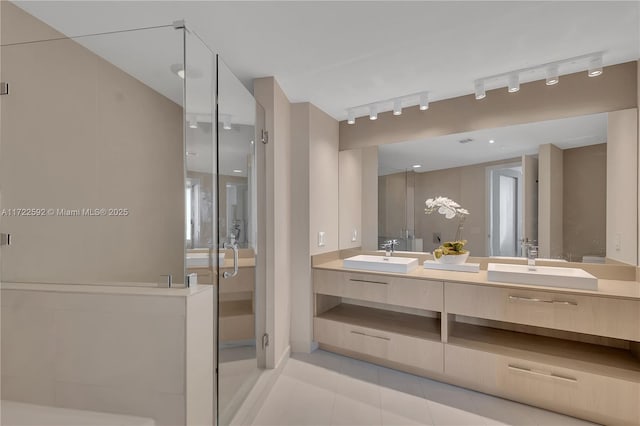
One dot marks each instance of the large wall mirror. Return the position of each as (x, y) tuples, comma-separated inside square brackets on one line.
[(559, 184)]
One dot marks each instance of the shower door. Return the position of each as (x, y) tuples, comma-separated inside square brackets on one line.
[(240, 290)]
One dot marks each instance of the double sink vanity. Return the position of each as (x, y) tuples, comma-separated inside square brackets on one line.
[(560, 338)]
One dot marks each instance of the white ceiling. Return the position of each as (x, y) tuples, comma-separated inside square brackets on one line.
[(444, 152), (342, 54)]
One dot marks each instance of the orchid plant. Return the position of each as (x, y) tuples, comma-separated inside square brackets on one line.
[(450, 209)]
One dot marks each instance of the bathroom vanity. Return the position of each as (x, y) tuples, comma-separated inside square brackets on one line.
[(568, 350)]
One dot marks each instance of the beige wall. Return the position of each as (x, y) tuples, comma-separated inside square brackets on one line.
[(323, 180), (576, 95), (301, 294), (315, 192), (350, 193), (622, 180), (78, 132), (584, 201), (278, 216), (550, 205)]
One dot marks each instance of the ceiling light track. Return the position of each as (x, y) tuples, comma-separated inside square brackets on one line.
[(393, 104), (591, 62)]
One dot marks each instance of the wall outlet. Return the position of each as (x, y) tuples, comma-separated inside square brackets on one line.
[(354, 235), (618, 242), (321, 239), (437, 238)]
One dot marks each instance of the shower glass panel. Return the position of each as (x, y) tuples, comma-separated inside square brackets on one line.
[(238, 354), (92, 159), (94, 175)]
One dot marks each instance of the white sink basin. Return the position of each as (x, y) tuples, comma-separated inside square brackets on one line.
[(549, 276), (401, 265)]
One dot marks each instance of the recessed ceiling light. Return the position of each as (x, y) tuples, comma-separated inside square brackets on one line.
[(237, 171), (416, 166), (492, 141)]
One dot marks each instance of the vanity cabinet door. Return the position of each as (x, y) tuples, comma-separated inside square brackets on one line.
[(399, 291), (602, 316), (604, 399)]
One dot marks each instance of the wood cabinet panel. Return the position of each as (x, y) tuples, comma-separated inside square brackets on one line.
[(595, 397), (617, 318), (413, 293)]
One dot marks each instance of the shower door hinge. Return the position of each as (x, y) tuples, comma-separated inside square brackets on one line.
[(265, 137), (265, 340), (5, 239), (4, 88)]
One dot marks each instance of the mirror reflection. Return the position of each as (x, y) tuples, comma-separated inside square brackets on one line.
[(542, 183)]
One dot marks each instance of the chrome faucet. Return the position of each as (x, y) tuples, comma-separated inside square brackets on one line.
[(389, 247)]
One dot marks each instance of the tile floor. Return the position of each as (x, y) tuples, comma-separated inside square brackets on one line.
[(327, 389)]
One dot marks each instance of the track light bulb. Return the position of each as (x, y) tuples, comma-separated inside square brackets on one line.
[(552, 75), (514, 83), (351, 117), (480, 90), (595, 66), (397, 107), (373, 112), (424, 102)]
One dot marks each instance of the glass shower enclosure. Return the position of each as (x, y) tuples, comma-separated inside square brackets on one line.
[(120, 190)]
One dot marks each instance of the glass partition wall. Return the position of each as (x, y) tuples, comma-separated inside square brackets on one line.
[(117, 169)]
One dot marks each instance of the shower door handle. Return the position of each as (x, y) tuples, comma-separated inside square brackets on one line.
[(234, 247)]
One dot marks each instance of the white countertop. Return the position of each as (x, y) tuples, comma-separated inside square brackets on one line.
[(606, 288)]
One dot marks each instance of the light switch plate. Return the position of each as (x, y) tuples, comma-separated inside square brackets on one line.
[(321, 237)]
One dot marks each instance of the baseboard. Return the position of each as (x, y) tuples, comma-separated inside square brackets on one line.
[(303, 347), (253, 402)]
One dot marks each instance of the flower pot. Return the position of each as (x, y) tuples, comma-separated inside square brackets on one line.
[(453, 259)]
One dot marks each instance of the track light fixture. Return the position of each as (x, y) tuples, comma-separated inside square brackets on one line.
[(592, 62), (373, 112), (552, 75), (480, 90), (514, 83), (595, 66), (397, 107), (193, 123), (424, 101)]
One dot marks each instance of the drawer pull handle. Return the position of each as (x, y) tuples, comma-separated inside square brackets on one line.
[(367, 281), (534, 299), (539, 373), (370, 335)]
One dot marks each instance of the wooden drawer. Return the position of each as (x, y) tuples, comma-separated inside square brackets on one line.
[(619, 318), (603, 399), (400, 291), (411, 351)]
